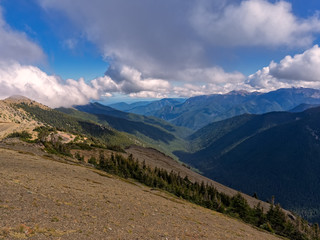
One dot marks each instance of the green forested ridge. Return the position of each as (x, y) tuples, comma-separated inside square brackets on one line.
[(62, 121), (150, 131), (303, 106), (105, 111), (272, 154), (122, 106), (148, 108)]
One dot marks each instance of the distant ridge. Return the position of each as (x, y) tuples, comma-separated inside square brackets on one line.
[(196, 112), (302, 107)]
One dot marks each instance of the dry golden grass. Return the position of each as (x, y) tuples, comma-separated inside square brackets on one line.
[(13, 119), (154, 158), (45, 199)]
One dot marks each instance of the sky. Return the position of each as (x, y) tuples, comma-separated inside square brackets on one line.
[(71, 52)]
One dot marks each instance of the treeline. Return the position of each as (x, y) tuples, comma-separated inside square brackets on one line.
[(275, 220)]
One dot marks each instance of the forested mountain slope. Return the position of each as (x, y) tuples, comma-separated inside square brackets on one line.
[(275, 154)]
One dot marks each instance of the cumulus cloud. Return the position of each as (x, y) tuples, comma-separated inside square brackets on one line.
[(147, 35), (305, 66), (301, 70), (159, 38), (255, 22), (16, 46), (30, 81), (169, 46), (130, 80)]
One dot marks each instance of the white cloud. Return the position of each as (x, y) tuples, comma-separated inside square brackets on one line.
[(210, 75), (254, 22), (30, 81), (148, 94), (131, 81), (189, 90), (305, 66), (301, 70), (146, 35), (16, 46)]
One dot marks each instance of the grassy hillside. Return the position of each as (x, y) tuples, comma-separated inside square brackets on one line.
[(67, 123), (99, 109), (275, 154), (150, 131), (56, 200)]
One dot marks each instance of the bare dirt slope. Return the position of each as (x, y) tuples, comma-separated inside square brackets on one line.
[(45, 199)]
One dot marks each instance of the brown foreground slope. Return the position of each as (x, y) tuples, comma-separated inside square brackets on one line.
[(45, 199), (154, 158)]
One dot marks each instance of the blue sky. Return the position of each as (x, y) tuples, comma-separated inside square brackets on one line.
[(64, 52), (50, 33)]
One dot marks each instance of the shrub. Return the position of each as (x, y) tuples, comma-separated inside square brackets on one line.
[(24, 135)]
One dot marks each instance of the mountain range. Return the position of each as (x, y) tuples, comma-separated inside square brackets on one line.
[(147, 108), (196, 112)]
